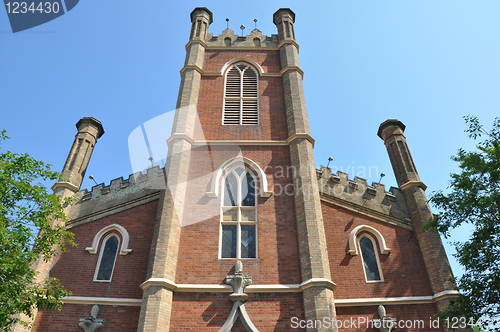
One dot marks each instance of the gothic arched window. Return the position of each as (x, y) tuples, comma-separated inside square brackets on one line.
[(241, 103), (370, 258), (239, 215), (107, 258)]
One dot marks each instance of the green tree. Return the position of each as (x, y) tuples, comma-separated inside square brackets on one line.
[(26, 207), (474, 198)]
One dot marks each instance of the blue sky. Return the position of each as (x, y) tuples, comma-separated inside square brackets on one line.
[(426, 63)]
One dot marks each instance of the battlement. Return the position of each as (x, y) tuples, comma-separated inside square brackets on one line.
[(229, 39), (119, 195), (359, 195), (152, 179)]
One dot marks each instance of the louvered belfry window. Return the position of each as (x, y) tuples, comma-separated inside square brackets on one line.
[(241, 104)]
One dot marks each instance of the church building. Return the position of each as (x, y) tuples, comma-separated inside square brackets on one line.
[(240, 231)]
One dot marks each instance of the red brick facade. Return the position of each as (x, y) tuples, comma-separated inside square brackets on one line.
[(200, 300), (403, 269)]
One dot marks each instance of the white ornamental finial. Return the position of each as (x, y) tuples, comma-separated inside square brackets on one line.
[(381, 311), (385, 323), (238, 281), (92, 323)]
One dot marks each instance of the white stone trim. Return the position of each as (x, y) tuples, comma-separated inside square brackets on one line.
[(232, 48), (102, 300), (64, 184), (159, 282), (195, 67), (314, 282), (270, 288), (353, 245), (286, 288), (124, 241), (265, 289), (216, 178), (98, 266), (196, 41), (228, 64), (438, 296), (395, 300), (180, 135), (239, 223), (377, 259), (413, 184), (240, 142), (284, 70), (284, 42), (297, 288), (300, 135)]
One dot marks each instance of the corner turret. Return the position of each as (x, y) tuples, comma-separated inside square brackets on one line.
[(435, 259), (201, 18), (284, 18), (89, 131)]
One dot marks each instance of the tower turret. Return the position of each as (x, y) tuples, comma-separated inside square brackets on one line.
[(155, 314), (89, 131), (435, 260), (284, 18), (318, 299), (201, 18)]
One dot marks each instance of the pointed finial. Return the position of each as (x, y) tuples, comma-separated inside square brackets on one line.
[(95, 311), (92, 178), (238, 267), (329, 159), (381, 176), (381, 311)]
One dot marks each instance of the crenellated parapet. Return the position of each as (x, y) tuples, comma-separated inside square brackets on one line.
[(119, 195), (229, 39), (356, 194)]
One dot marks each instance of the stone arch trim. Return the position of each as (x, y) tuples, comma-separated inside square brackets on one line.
[(114, 227), (353, 245), (254, 64), (220, 172)]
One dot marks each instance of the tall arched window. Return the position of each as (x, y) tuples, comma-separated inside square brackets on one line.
[(107, 258), (241, 104), (239, 215), (370, 258)]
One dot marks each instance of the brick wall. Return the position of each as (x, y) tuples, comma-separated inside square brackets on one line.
[(272, 115), (76, 267), (412, 317), (277, 248), (116, 318), (209, 311), (403, 269), (77, 271)]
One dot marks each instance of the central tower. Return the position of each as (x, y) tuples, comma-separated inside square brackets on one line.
[(241, 187)]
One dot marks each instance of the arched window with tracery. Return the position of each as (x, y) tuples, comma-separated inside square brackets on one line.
[(371, 262), (239, 215), (241, 102), (107, 258)]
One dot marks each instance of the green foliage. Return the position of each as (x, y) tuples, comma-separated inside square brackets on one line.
[(474, 198), (25, 206)]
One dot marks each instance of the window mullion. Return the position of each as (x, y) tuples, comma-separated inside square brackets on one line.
[(241, 97), (238, 235), (238, 227)]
